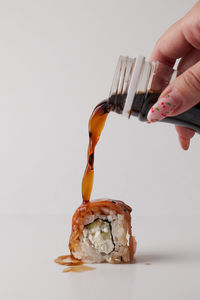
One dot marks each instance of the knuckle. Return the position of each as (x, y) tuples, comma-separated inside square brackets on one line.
[(191, 31)]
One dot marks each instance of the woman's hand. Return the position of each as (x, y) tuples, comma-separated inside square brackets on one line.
[(181, 40)]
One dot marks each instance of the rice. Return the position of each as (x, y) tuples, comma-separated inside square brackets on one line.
[(101, 232)]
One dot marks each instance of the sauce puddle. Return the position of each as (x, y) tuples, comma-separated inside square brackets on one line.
[(67, 260), (78, 269), (74, 265)]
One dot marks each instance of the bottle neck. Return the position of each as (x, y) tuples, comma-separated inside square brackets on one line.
[(134, 80), (137, 86)]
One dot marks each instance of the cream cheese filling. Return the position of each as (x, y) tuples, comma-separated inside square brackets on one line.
[(100, 236)]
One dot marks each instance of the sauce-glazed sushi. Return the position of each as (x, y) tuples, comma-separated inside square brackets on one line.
[(101, 232)]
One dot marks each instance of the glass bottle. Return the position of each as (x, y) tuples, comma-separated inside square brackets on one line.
[(136, 86)]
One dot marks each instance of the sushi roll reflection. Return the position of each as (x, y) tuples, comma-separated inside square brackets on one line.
[(99, 232)]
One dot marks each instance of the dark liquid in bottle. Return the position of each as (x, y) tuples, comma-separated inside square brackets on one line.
[(96, 125), (144, 101), (141, 104), (189, 119)]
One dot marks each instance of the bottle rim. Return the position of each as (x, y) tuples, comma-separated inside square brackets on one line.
[(122, 75)]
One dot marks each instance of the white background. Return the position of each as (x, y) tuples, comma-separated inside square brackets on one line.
[(57, 61)]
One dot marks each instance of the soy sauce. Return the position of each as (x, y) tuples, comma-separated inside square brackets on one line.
[(96, 125), (143, 102)]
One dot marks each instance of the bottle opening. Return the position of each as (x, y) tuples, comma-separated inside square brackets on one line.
[(134, 78), (131, 76)]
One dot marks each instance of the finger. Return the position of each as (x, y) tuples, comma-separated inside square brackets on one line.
[(171, 45), (179, 96), (185, 143), (179, 39), (185, 134), (191, 58)]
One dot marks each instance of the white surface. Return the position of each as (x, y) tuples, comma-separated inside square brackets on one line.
[(57, 61), (29, 245)]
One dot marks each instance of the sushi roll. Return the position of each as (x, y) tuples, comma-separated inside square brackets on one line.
[(101, 232)]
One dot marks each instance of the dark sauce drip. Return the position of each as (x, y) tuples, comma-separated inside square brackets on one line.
[(96, 125), (91, 160), (117, 102)]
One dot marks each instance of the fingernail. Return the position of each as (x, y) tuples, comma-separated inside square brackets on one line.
[(185, 143), (165, 106)]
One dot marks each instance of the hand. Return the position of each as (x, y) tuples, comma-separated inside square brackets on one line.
[(181, 40)]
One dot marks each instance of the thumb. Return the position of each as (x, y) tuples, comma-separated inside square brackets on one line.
[(179, 96)]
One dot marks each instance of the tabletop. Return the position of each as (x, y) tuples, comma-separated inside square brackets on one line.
[(167, 261)]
